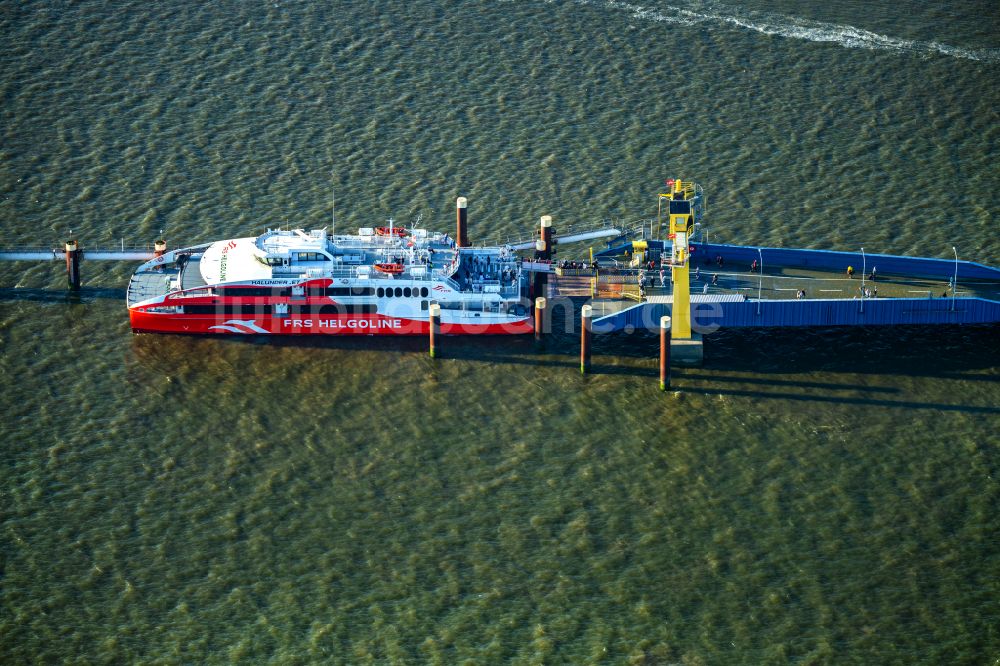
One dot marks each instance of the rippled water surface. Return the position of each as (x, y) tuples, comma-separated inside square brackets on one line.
[(809, 496)]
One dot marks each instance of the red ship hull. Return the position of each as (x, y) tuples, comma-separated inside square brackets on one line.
[(345, 324)]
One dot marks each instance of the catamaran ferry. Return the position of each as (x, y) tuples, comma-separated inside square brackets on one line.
[(378, 282)]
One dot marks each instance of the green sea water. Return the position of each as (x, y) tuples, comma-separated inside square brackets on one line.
[(805, 497)]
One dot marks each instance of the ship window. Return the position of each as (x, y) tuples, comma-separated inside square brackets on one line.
[(424, 292), (253, 291), (380, 292), (680, 207), (399, 292), (254, 309), (339, 309), (199, 309), (407, 292), (351, 291), (423, 304), (228, 309), (310, 256)]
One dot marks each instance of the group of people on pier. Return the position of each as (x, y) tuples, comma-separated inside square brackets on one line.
[(871, 276), (480, 269)]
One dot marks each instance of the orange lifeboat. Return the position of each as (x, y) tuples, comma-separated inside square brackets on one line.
[(391, 269), (399, 232)]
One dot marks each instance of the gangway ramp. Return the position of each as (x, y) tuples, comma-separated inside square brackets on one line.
[(574, 234)]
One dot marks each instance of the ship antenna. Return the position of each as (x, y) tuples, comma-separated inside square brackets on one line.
[(333, 212)]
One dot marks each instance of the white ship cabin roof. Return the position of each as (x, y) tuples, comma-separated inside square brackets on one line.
[(233, 260), (296, 253), (256, 258), (276, 244)]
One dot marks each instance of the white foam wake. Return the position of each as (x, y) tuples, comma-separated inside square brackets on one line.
[(793, 28)]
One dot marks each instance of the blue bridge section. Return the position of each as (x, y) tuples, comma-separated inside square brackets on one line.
[(887, 264), (705, 254), (733, 309), (709, 316)]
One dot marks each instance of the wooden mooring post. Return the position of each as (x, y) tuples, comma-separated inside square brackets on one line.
[(664, 353), (434, 321), (462, 222), (586, 317), (539, 318), (73, 265)]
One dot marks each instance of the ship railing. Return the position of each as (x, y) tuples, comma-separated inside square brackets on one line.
[(449, 281), (372, 241), (352, 273), (647, 230), (467, 305)]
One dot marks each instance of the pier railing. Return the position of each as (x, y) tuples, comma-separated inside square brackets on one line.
[(121, 252)]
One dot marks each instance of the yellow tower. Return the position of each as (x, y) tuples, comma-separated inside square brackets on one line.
[(680, 206)]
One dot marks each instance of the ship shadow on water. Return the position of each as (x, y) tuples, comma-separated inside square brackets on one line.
[(936, 351), (943, 352), (757, 364), (800, 365), (940, 352)]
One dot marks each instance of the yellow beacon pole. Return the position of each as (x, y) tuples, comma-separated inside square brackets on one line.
[(681, 213)]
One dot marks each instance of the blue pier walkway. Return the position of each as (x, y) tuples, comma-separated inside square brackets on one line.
[(826, 260), (704, 255), (709, 316), (800, 288)]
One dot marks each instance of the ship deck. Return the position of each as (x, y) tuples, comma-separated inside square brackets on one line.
[(150, 284), (477, 271)]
